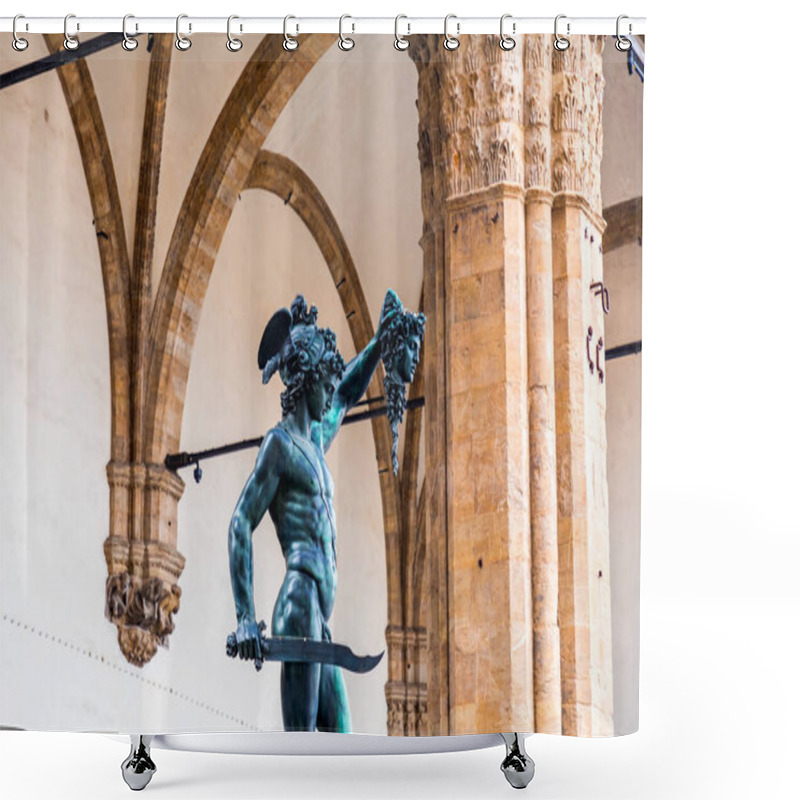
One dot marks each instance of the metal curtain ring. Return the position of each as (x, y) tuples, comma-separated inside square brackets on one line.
[(289, 42), (233, 44), (450, 42), (181, 42), (127, 42), (623, 43), (18, 43), (400, 42), (70, 42), (345, 42), (506, 42), (561, 42)]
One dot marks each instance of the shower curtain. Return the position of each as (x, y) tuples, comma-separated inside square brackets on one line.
[(344, 341)]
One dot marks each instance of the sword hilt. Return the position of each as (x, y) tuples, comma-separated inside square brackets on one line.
[(232, 645)]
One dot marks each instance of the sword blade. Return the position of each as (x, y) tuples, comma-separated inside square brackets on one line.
[(286, 648), (309, 651)]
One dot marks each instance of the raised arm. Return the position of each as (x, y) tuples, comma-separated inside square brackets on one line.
[(357, 375), (353, 385), (256, 498)]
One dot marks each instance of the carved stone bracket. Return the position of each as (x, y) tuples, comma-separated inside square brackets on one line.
[(142, 611), (407, 701), (144, 565)]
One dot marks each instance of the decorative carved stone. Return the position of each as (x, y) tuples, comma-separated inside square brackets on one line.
[(145, 606), (576, 110), (137, 644)]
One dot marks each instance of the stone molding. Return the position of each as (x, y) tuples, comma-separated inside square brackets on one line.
[(577, 200), (502, 190)]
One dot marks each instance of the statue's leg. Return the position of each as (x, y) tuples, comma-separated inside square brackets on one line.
[(334, 710), (297, 614), (299, 696)]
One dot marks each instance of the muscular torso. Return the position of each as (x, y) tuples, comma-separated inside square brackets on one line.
[(302, 512)]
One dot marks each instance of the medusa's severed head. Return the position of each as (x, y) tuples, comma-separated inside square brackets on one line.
[(400, 351), (305, 355)]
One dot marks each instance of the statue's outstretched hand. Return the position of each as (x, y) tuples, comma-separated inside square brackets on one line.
[(391, 308)]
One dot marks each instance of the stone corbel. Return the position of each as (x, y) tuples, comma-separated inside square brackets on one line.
[(144, 565)]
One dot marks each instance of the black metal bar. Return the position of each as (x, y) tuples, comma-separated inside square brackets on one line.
[(87, 48), (176, 461), (377, 412), (369, 401), (636, 59), (624, 350)]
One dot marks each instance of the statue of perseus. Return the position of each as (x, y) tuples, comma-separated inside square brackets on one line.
[(291, 480)]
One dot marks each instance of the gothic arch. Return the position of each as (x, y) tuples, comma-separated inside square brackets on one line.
[(268, 80), (101, 182)]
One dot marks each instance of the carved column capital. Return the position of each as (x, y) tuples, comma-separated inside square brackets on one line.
[(576, 119)]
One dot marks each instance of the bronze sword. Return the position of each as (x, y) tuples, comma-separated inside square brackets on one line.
[(313, 651)]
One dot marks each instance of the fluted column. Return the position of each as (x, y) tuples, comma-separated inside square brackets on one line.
[(423, 53), (583, 534), (478, 91), (541, 383)]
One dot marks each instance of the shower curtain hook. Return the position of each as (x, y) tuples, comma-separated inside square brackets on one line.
[(128, 43), (561, 43), (623, 43), (289, 42), (345, 42), (400, 42), (18, 43), (506, 42), (181, 42), (233, 44), (450, 42), (70, 42)]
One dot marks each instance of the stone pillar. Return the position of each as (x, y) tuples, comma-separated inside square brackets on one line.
[(144, 565), (577, 225), (471, 113), (541, 383), (423, 51)]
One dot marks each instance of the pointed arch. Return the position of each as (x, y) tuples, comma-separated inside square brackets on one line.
[(268, 80), (98, 166)]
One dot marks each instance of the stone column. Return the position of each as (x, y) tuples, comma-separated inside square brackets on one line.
[(477, 95), (432, 244), (541, 383), (577, 225)]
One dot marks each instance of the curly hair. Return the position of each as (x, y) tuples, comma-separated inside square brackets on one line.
[(308, 356), (399, 331)]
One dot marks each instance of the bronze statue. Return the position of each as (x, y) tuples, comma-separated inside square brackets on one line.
[(400, 348), (292, 481)]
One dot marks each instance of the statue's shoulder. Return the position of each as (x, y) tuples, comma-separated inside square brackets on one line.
[(274, 446), (276, 437)]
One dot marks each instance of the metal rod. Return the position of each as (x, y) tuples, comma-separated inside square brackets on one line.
[(377, 412), (34, 68), (176, 461), (624, 350)]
